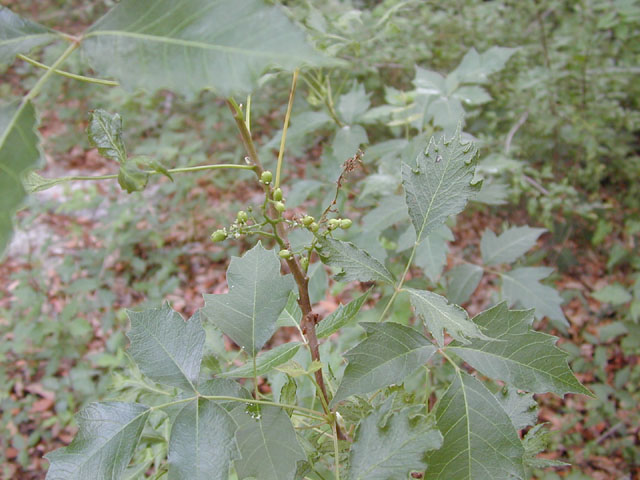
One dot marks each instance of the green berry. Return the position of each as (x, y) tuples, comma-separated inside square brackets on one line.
[(345, 223), (279, 206), (304, 263), (242, 216), (333, 223), (266, 177), (286, 254), (277, 194), (313, 227), (307, 220), (219, 235)]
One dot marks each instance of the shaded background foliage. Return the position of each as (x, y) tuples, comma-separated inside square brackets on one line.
[(560, 134)]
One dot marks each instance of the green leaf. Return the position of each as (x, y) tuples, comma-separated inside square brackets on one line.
[(472, 94), (19, 152), (535, 441), (166, 348), (33, 182), (391, 210), (341, 316), (476, 67), (446, 112), (202, 443), (439, 185), (356, 264), (18, 35), (431, 254), (225, 387), (614, 294), (131, 178), (516, 354), (428, 82), (522, 408), (268, 445), (347, 141), (189, 45), (480, 442), (353, 104), (257, 295), (291, 316), (510, 245), (105, 134), (522, 286), (389, 353), (462, 281), (437, 314), (266, 361), (394, 450), (106, 440)]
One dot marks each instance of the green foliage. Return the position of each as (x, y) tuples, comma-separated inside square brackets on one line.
[(180, 414)]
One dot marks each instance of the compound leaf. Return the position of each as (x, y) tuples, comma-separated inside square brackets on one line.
[(189, 45), (439, 184), (18, 35), (202, 443), (508, 246), (517, 354), (266, 361), (340, 317), (107, 437), (19, 152), (166, 348), (522, 286), (480, 441), (356, 264), (437, 314), (392, 450), (257, 295), (268, 444), (389, 353)]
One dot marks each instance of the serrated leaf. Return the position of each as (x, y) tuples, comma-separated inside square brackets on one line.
[(522, 286), (472, 94), (356, 264), (476, 67), (257, 295), (535, 441), (522, 408), (437, 314), (516, 354), (33, 182), (353, 104), (291, 316), (392, 451), (439, 185), (266, 361), (462, 281), (508, 246), (391, 210), (189, 45), (166, 348), (19, 152), (431, 254), (106, 440), (19, 35), (389, 353), (480, 442), (348, 140), (105, 134), (268, 445), (202, 443), (446, 112), (340, 317)]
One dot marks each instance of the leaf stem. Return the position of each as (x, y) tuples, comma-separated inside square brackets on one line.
[(82, 78), (398, 287), (308, 411), (287, 116), (336, 450)]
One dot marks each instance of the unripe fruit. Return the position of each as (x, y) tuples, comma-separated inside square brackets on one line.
[(242, 216), (286, 254), (266, 177), (279, 206), (345, 223), (277, 194), (304, 263), (333, 223), (218, 235), (314, 227), (307, 220)]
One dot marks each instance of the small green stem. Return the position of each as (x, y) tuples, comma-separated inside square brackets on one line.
[(255, 379), (336, 450), (398, 287), (287, 116), (311, 413), (175, 402), (82, 78), (449, 359)]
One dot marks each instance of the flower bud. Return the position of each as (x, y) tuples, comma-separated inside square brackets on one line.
[(304, 263), (277, 194), (345, 223), (333, 223), (307, 220), (286, 254), (314, 227), (266, 177), (218, 235), (242, 216), (279, 206)]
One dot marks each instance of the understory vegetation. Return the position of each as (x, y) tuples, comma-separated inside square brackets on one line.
[(356, 239)]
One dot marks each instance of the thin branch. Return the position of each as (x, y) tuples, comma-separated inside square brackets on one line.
[(82, 78), (514, 129), (286, 126)]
